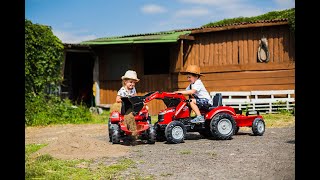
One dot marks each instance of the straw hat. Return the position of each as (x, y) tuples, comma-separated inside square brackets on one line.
[(193, 69), (130, 75)]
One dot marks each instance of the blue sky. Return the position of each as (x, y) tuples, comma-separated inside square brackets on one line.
[(74, 21)]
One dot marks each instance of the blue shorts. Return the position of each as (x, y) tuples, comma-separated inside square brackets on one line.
[(203, 103)]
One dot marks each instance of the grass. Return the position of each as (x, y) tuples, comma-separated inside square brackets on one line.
[(287, 13), (47, 167), (185, 152), (212, 154), (166, 174), (100, 118), (282, 119)]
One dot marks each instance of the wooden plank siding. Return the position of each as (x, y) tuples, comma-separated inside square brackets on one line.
[(235, 52), (247, 80)]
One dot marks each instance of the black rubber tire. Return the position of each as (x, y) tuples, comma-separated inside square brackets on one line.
[(214, 126), (168, 132), (255, 129), (109, 130), (294, 111), (160, 135), (151, 135), (115, 135), (236, 130), (206, 132)]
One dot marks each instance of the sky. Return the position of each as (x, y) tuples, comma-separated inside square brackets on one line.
[(74, 21)]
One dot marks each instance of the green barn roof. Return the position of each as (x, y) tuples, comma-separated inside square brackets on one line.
[(159, 37)]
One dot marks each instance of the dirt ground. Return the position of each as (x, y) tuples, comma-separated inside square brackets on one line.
[(271, 156)]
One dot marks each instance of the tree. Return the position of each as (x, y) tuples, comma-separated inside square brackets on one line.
[(43, 58)]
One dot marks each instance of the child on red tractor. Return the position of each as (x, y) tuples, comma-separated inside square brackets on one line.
[(199, 96), (124, 121)]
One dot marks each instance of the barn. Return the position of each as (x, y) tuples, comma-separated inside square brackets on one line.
[(227, 55)]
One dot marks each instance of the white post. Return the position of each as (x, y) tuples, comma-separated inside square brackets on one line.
[(96, 79)]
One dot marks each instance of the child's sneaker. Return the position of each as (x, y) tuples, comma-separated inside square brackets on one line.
[(198, 119)]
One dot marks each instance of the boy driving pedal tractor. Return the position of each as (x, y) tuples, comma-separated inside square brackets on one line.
[(199, 96)]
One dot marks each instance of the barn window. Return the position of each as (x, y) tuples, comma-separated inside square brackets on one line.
[(156, 59)]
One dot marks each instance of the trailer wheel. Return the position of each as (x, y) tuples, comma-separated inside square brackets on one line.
[(258, 127), (222, 126), (175, 132), (115, 135), (151, 135)]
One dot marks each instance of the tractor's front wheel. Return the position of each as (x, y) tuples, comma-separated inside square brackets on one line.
[(175, 132), (258, 127), (236, 130), (222, 126), (115, 134), (151, 135), (206, 133), (160, 135), (109, 130)]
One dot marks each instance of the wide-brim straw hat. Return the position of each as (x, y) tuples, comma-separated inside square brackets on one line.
[(193, 69), (130, 74)]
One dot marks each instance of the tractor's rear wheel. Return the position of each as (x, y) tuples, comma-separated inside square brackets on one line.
[(175, 132), (115, 135), (258, 127), (222, 126)]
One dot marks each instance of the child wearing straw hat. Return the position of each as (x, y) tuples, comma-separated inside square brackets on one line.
[(129, 79), (200, 96)]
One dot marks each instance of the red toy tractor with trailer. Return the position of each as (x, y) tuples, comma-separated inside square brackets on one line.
[(221, 122), (117, 128)]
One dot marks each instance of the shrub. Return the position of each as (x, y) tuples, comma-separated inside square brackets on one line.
[(50, 109)]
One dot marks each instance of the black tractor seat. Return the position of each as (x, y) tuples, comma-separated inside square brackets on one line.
[(216, 101)]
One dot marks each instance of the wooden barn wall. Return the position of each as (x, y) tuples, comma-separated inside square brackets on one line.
[(229, 61), (147, 83)]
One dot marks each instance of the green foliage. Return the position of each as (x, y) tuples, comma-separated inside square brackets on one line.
[(50, 109), (288, 13), (43, 58), (47, 167)]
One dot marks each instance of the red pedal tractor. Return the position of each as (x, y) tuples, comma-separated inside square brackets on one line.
[(221, 122), (118, 130)]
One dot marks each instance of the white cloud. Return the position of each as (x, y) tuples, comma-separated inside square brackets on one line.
[(153, 9), (72, 37), (192, 12), (210, 2), (285, 3)]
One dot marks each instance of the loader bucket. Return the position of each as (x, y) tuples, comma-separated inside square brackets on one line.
[(134, 103)]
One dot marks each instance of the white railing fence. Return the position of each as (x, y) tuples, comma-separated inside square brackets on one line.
[(269, 101)]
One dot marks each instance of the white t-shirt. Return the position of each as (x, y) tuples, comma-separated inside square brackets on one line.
[(201, 91), (126, 93)]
